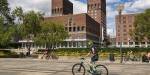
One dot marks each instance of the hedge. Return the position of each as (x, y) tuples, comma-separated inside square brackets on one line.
[(102, 51), (8, 54)]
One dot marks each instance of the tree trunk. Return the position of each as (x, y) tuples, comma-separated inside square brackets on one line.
[(28, 46), (29, 49)]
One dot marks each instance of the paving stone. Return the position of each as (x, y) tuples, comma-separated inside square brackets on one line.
[(63, 67)]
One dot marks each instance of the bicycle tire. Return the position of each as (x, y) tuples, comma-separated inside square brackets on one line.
[(80, 68), (102, 69)]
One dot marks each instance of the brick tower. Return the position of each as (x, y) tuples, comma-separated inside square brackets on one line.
[(61, 7), (97, 10)]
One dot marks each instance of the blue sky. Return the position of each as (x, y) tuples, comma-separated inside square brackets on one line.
[(131, 7), (80, 6)]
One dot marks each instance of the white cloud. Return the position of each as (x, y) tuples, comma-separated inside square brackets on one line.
[(36, 5), (79, 7), (45, 5), (112, 1), (111, 12), (137, 7)]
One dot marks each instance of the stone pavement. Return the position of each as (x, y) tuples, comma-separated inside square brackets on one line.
[(63, 67)]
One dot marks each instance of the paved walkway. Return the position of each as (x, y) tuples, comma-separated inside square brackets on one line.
[(63, 67)]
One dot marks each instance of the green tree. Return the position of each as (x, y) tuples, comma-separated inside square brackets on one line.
[(5, 11), (142, 26), (6, 24), (30, 26), (17, 14), (6, 33), (51, 33)]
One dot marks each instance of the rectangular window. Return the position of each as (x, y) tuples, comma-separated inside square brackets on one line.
[(130, 43), (136, 43), (130, 25), (70, 29), (74, 29), (66, 28), (83, 28), (78, 28), (142, 42), (125, 43), (124, 30)]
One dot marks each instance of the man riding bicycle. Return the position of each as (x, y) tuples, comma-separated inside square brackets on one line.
[(94, 54)]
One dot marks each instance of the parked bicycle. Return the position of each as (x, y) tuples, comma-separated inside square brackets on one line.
[(84, 67)]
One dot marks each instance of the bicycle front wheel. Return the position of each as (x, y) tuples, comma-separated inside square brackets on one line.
[(78, 69), (102, 70)]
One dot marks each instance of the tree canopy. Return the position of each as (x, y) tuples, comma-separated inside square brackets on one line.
[(5, 33), (142, 26), (5, 11), (51, 33)]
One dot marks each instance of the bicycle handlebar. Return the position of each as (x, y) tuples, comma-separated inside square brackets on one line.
[(82, 58)]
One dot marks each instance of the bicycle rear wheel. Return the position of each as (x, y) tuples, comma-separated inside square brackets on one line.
[(78, 69), (102, 70)]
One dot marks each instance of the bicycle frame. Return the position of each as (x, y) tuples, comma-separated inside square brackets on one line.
[(89, 68), (87, 64)]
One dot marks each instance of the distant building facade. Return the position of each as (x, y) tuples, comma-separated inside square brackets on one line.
[(81, 27), (96, 9), (123, 30), (61, 7)]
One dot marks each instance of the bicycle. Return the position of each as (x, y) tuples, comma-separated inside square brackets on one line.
[(93, 69), (50, 55)]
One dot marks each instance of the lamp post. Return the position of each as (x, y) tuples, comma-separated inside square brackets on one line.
[(120, 9)]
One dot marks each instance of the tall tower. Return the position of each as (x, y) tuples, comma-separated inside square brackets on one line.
[(61, 7), (97, 10)]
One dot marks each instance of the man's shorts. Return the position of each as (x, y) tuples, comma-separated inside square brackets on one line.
[(94, 58)]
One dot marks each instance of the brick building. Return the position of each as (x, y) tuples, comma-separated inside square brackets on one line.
[(123, 30), (81, 27), (97, 10), (61, 7)]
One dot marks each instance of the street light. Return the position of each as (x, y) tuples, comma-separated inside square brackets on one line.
[(120, 9)]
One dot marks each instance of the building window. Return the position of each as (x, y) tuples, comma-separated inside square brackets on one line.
[(124, 18), (74, 29), (70, 29), (125, 43), (78, 28), (70, 44), (125, 34), (124, 30), (74, 44), (124, 26), (142, 42), (130, 30), (124, 21), (95, 6), (130, 43), (130, 25), (118, 43), (66, 28), (88, 6), (136, 43), (125, 38), (83, 28)]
